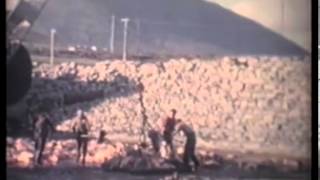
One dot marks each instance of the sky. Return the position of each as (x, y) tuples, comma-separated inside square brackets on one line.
[(296, 23)]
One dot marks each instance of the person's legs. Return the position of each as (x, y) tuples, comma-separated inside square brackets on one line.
[(42, 145), (186, 155), (169, 144), (173, 152), (155, 140), (84, 151), (36, 150), (79, 145), (192, 155), (195, 161), (167, 141), (155, 144)]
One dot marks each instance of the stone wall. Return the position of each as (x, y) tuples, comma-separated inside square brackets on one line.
[(243, 104)]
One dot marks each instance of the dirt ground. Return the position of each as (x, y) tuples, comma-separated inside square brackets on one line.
[(80, 173)]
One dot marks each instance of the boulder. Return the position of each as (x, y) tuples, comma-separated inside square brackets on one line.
[(24, 158)]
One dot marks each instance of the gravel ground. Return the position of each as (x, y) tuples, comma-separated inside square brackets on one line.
[(98, 174)]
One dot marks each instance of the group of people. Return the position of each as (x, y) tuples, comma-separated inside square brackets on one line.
[(43, 127), (167, 130)]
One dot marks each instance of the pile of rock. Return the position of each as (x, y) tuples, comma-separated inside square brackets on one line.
[(20, 152), (244, 103)]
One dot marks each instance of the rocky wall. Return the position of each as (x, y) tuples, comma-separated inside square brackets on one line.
[(258, 104)]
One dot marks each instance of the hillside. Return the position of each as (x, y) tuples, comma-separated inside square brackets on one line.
[(188, 27)]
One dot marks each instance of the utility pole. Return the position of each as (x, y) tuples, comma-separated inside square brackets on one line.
[(112, 34), (138, 36), (52, 34), (125, 32), (282, 16)]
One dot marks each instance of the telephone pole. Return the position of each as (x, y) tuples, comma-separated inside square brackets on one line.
[(125, 33), (112, 34)]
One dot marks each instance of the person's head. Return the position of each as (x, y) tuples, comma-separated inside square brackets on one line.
[(174, 112), (143, 145), (80, 113), (103, 133)]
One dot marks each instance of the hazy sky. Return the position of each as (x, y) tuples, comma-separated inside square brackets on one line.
[(296, 23)]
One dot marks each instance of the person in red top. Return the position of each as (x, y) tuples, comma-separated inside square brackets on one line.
[(168, 129)]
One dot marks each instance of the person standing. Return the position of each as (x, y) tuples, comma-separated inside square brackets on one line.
[(42, 127), (168, 129), (81, 129)]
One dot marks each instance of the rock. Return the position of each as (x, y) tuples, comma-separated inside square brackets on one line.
[(210, 162), (94, 48), (20, 145), (230, 156), (242, 59), (71, 49), (72, 65), (24, 158), (127, 162), (149, 69), (100, 156), (114, 163), (291, 163), (10, 141), (136, 147), (251, 166), (53, 160)]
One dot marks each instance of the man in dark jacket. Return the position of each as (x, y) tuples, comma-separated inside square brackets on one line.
[(41, 127), (189, 149)]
